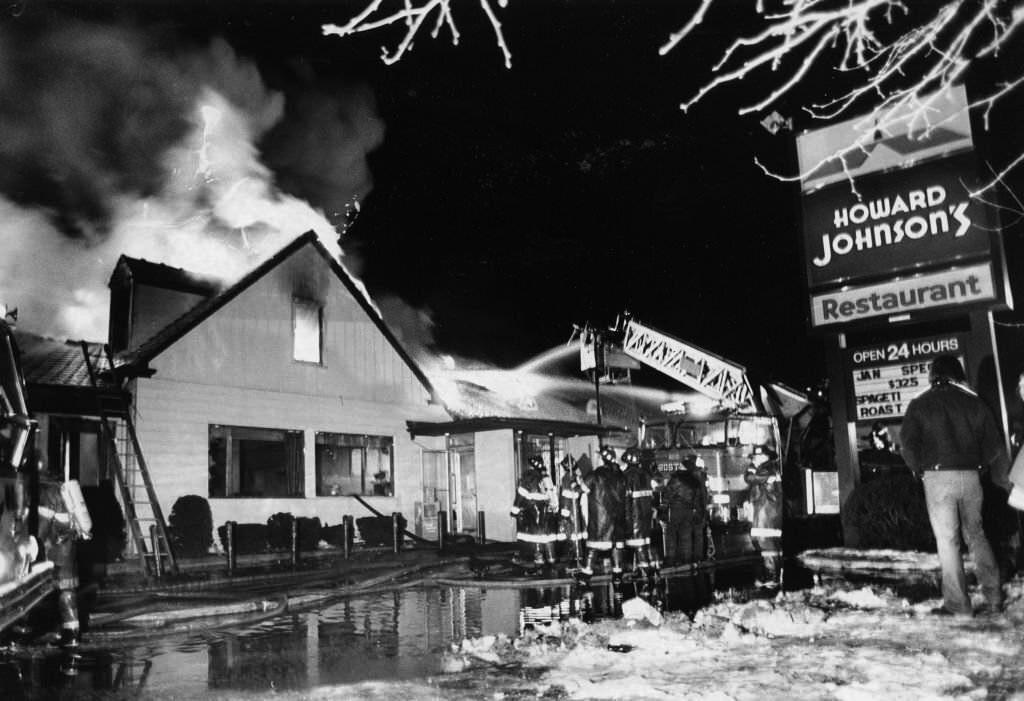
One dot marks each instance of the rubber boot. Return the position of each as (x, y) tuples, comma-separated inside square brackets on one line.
[(634, 555), (588, 567), (549, 552), (538, 556), (69, 638), (617, 557), (576, 553), (68, 607), (653, 566), (643, 558)]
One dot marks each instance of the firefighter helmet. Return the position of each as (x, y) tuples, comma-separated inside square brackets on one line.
[(608, 453), (631, 456), (537, 462)]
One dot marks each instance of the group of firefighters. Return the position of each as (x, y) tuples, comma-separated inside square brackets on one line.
[(623, 501)]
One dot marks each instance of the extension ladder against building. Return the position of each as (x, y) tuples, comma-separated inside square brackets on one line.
[(147, 529)]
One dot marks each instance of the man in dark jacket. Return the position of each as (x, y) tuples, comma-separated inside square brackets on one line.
[(606, 492), (639, 512), (530, 509), (949, 436)]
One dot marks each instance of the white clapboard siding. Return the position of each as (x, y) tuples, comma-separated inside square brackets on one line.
[(236, 368)]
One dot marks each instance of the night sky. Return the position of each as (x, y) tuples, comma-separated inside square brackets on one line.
[(508, 205)]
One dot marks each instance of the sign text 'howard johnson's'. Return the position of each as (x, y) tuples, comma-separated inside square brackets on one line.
[(889, 221), (918, 218)]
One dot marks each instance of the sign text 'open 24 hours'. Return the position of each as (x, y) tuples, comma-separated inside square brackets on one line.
[(887, 376)]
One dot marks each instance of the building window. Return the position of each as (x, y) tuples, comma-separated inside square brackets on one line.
[(542, 445), (354, 464), (307, 327), (76, 451), (255, 462)]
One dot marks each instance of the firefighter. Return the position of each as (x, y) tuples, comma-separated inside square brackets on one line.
[(704, 546), (573, 527), (682, 513), (639, 513), (551, 522), (530, 509), (605, 489), (63, 520), (765, 482)]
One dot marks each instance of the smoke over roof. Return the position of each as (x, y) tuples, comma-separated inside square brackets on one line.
[(129, 140)]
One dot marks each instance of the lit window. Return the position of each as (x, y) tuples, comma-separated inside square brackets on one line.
[(255, 462), (354, 464), (307, 326)]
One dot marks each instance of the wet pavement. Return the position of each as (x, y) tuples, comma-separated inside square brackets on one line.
[(376, 618)]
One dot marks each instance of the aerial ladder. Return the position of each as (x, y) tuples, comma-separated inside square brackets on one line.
[(712, 375), (628, 341)]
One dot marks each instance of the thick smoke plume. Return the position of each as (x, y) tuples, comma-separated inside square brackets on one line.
[(120, 140)]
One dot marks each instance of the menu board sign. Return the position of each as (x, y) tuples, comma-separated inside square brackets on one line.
[(887, 376)]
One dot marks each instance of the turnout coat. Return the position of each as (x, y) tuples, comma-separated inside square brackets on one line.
[(606, 509), (570, 497), (639, 505), (531, 509)]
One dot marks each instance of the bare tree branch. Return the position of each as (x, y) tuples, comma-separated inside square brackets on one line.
[(898, 56), (902, 71), (413, 13)]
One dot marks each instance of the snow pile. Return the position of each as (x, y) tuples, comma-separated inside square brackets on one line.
[(836, 641), (636, 609), (875, 562), (864, 598)]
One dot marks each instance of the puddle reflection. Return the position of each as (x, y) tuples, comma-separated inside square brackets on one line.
[(387, 636)]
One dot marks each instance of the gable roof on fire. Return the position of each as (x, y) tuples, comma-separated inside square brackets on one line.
[(135, 360)]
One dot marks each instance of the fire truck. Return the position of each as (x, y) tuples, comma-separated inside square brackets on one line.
[(24, 583), (724, 420)]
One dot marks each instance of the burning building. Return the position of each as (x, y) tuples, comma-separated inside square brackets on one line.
[(284, 392)]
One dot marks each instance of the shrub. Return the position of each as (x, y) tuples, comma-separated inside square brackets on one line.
[(279, 532), (376, 530), (310, 532), (334, 535), (890, 512), (250, 538), (191, 526)]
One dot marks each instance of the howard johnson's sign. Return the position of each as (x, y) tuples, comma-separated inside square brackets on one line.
[(892, 231)]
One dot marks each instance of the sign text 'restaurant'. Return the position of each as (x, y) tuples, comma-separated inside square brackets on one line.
[(956, 287)]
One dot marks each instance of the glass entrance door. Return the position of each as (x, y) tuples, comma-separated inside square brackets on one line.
[(465, 472), (462, 483), (435, 489)]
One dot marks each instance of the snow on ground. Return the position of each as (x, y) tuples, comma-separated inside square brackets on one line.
[(838, 640), (825, 643)]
